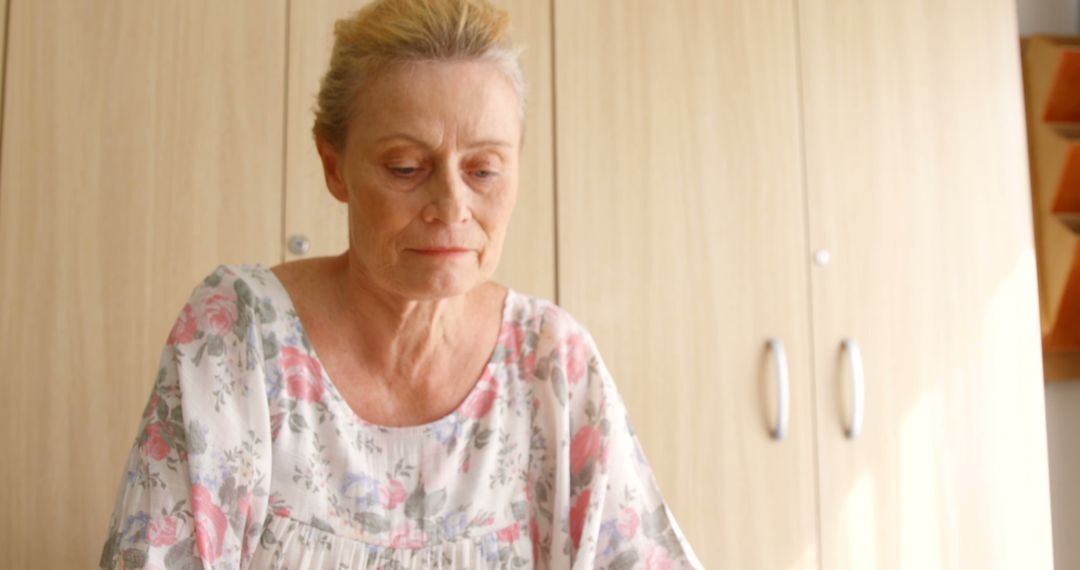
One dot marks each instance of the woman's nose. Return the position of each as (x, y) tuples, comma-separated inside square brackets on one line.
[(448, 198)]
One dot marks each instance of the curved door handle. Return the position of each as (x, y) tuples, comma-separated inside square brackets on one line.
[(783, 389), (858, 395)]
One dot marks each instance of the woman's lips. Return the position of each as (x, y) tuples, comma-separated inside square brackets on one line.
[(442, 251)]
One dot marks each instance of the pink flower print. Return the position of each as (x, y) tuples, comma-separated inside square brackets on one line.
[(534, 537), (479, 404), (528, 366), (584, 448), (628, 523), (656, 558), (278, 506), (303, 376), (210, 523), (512, 338), (154, 446), (392, 494), (276, 421), (243, 506), (509, 533), (577, 516), (184, 329), (576, 358), (219, 313), (161, 531), (408, 535)]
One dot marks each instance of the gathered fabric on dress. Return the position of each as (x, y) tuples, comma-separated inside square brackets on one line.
[(248, 456)]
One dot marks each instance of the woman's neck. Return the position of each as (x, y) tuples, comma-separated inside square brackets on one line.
[(399, 338)]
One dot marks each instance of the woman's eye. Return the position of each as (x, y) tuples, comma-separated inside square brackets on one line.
[(404, 171), (481, 173)]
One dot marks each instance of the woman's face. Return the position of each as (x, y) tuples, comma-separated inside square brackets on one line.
[(430, 174)]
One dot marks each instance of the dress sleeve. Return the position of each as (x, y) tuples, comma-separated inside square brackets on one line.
[(617, 516), (194, 489)]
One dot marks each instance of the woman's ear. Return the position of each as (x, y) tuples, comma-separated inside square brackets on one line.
[(331, 164)]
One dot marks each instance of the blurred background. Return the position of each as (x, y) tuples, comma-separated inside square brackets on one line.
[(807, 235), (1050, 29)]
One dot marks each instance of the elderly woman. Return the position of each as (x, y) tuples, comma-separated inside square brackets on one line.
[(393, 407)]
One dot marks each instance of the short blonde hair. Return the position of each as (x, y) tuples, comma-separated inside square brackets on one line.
[(389, 32)]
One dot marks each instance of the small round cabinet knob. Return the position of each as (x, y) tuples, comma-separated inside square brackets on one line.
[(299, 244), (821, 257)]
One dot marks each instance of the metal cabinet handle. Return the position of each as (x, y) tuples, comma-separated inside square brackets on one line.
[(783, 390), (857, 387)]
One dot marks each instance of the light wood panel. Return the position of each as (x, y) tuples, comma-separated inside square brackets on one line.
[(918, 186), (142, 147), (528, 258), (682, 248), (3, 43)]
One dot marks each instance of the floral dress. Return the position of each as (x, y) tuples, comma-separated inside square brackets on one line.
[(247, 456)]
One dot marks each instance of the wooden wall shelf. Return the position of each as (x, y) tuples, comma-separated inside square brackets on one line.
[(1052, 94), (1062, 104)]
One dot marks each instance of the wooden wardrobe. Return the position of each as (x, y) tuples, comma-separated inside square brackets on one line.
[(720, 190)]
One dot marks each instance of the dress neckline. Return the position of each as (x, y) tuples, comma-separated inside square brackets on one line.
[(342, 407)]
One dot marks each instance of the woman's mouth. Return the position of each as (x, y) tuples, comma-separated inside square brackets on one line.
[(442, 251)]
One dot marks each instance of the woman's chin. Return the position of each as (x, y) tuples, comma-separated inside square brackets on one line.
[(440, 284)]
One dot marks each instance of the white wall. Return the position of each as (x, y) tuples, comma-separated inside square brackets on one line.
[(1060, 17)]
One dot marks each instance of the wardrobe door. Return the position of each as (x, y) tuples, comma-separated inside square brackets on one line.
[(918, 187), (315, 219), (3, 43), (682, 249), (141, 147)]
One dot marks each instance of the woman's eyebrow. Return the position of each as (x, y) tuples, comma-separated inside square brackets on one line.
[(488, 142), (470, 146), (405, 136)]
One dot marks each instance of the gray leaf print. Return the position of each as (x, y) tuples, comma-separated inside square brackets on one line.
[(134, 558), (558, 384), (320, 524), (216, 346), (373, 522), (297, 422), (196, 439), (266, 312), (420, 504), (270, 346), (624, 561), (182, 556), (520, 510), (655, 523), (482, 438)]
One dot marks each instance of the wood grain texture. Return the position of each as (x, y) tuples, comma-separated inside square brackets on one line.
[(137, 155), (528, 258), (3, 43), (918, 185), (682, 249)]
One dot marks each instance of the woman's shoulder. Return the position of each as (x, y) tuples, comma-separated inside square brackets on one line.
[(239, 278), (226, 302), (554, 325), (555, 344)]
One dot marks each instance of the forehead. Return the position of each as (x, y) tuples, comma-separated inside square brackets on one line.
[(438, 102)]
